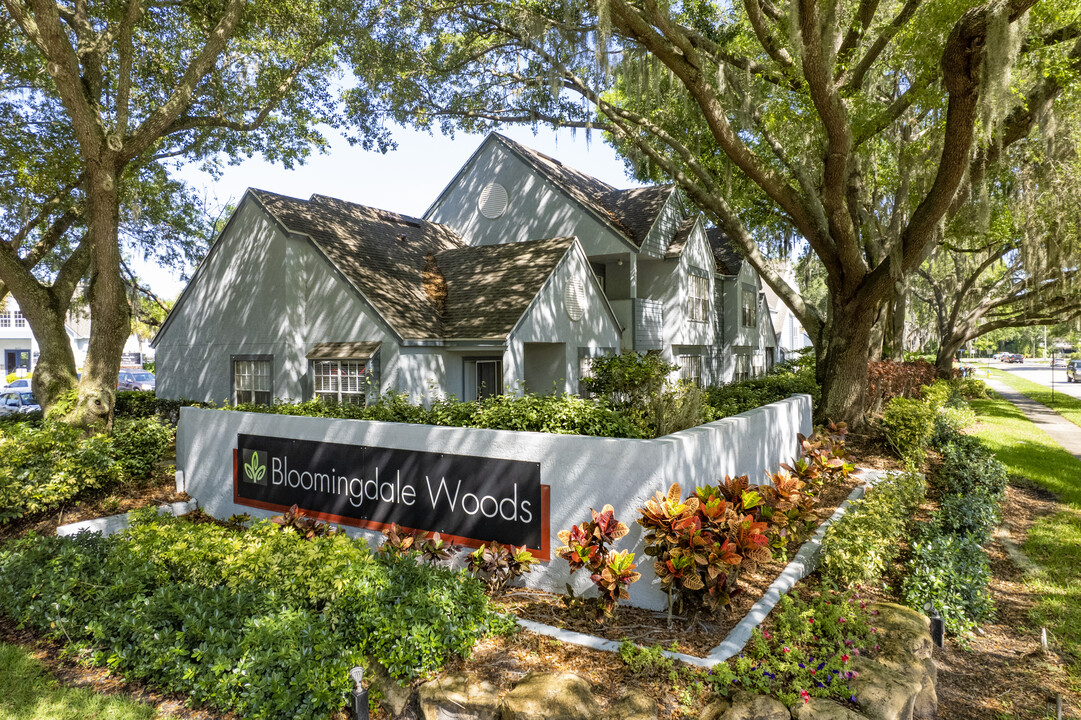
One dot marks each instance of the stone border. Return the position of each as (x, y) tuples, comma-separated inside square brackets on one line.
[(805, 561), (116, 523)]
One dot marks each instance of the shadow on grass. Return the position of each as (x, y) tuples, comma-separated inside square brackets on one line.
[(30, 694)]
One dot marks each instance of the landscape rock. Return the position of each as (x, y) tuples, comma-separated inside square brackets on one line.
[(551, 695), (886, 693), (926, 707), (823, 709), (633, 705), (746, 706), (902, 631), (395, 696), (455, 697)]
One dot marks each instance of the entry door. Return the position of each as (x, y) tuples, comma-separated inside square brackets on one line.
[(489, 378)]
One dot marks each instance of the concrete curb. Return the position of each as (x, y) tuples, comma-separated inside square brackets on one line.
[(805, 561), (116, 523)]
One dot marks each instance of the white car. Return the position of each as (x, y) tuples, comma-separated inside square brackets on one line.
[(17, 401), (20, 384)]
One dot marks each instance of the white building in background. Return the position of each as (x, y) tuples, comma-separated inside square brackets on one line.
[(19, 349), (791, 337)]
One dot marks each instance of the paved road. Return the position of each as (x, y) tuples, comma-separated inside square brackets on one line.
[(1039, 373)]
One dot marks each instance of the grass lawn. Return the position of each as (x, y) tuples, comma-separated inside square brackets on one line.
[(30, 694), (1055, 541), (1065, 405)]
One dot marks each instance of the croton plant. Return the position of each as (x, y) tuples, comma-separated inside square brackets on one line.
[(589, 545), (704, 541)]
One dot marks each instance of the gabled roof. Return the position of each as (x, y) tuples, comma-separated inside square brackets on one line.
[(489, 287), (632, 212), (729, 260), (421, 277), (381, 253)]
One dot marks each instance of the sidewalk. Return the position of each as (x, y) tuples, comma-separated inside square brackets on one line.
[(1061, 430)]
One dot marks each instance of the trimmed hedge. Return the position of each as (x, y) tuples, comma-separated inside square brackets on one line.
[(861, 544), (951, 571), (908, 423), (735, 398), (260, 622)]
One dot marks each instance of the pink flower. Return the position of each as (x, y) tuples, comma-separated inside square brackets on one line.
[(785, 649), (844, 658), (876, 647), (841, 620), (811, 620), (813, 671)]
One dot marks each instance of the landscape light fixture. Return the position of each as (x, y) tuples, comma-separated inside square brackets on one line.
[(360, 694), (938, 625)]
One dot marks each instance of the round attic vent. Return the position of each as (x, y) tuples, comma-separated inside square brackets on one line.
[(574, 300), (493, 201)]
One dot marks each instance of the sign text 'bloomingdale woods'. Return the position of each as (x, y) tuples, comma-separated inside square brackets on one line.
[(464, 496)]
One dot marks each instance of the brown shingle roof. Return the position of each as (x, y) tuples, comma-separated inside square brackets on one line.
[(632, 212), (729, 260), (489, 287), (679, 240), (381, 253)]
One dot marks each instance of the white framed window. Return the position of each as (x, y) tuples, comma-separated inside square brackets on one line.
[(697, 297), (20, 319), (252, 381), (5, 318), (690, 369), (341, 381), (749, 306), (743, 367)]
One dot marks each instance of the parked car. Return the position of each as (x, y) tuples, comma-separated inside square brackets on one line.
[(20, 384), (1073, 368), (18, 401), (1013, 358), (135, 380), (1058, 362)]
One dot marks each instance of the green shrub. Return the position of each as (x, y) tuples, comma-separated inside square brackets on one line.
[(560, 413), (949, 421), (735, 398), (971, 388), (260, 622), (628, 380), (44, 466), (807, 654), (139, 444), (675, 409), (144, 404), (968, 464), (974, 514), (861, 544), (908, 424), (951, 571)]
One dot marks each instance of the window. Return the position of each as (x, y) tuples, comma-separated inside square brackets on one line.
[(749, 301), (341, 381), (489, 378), (20, 320), (5, 319), (690, 369), (698, 297), (601, 271), (743, 367), (251, 379)]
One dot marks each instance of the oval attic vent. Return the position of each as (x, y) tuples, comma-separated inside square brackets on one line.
[(574, 299), (493, 201)]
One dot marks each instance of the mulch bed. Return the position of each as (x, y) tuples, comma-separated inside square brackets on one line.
[(646, 627), (1000, 672)]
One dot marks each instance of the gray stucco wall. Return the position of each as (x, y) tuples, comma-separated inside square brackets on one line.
[(535, 208), (582, 472), (261, 292)]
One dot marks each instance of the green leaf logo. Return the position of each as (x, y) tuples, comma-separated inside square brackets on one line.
[(255, 471)]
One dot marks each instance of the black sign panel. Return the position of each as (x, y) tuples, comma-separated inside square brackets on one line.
[(463, 496)]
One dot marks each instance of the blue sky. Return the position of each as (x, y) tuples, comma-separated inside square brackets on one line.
[(406, 180)]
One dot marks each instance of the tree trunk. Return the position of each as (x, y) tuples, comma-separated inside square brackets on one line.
[(947, 351), (110, 314), (896, 337), (843, 367)]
